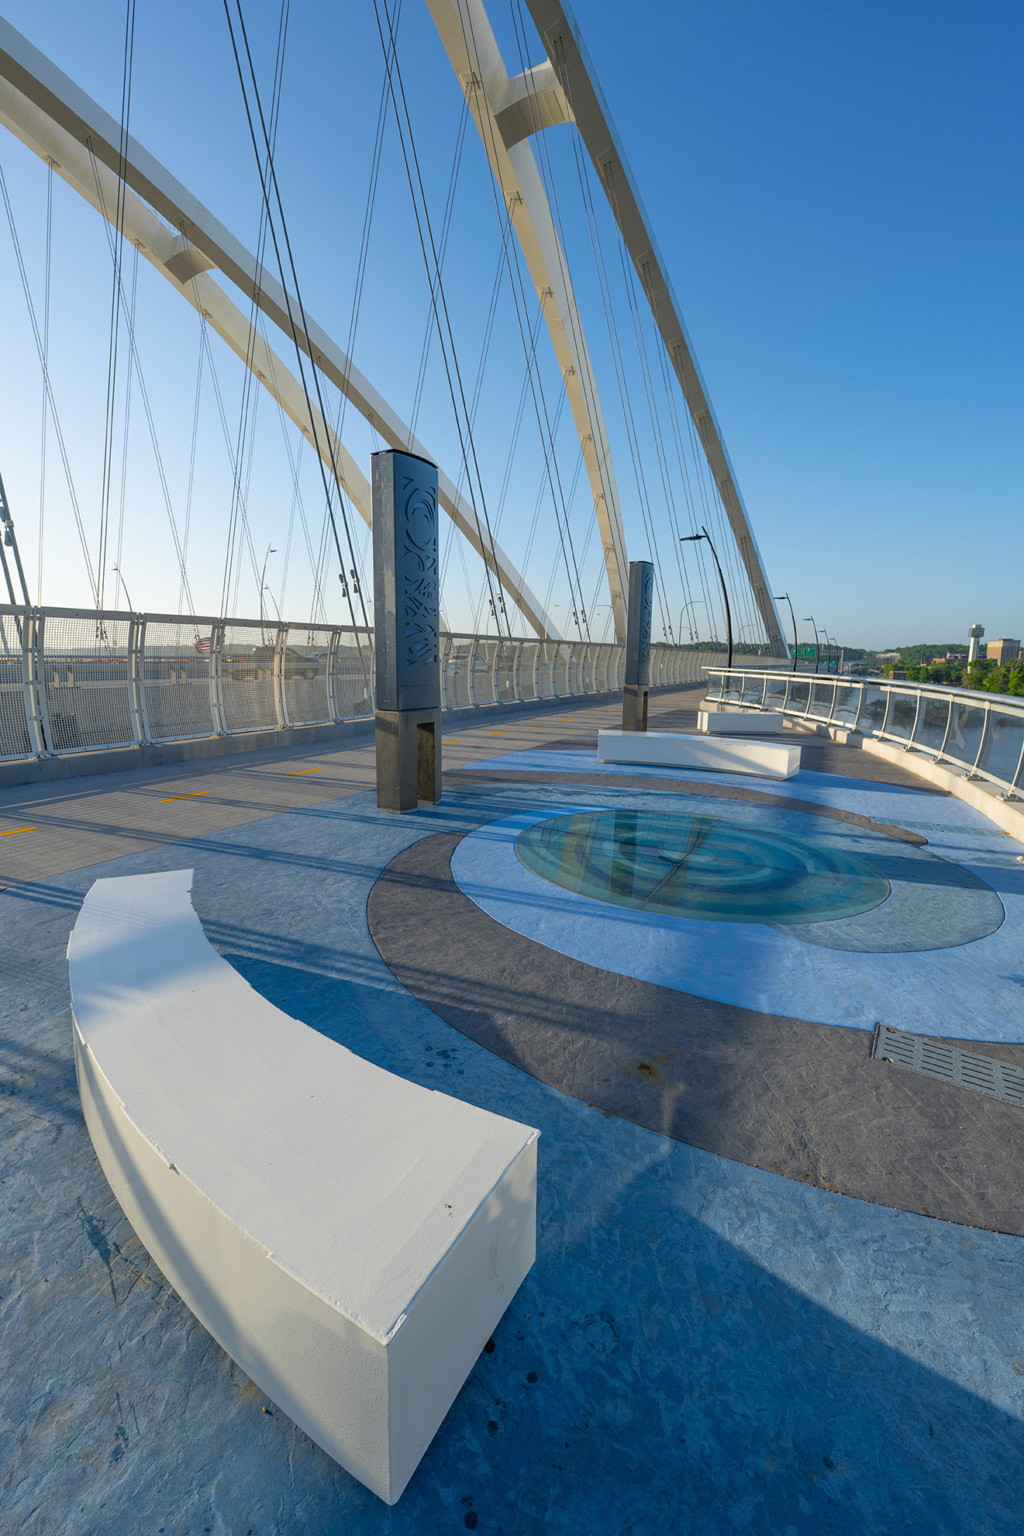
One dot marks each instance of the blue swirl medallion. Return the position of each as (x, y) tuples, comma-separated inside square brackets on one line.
[(701, 866)]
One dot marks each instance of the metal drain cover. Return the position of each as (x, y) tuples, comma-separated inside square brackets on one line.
[(936, 1059)]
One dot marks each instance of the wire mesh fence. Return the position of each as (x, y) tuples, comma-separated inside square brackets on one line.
[(78, 680)]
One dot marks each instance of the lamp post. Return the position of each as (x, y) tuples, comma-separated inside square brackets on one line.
[(270, 591), (810, 620), (796, 644), (124, 585), (698, 602), (263, 578), (692, 538)]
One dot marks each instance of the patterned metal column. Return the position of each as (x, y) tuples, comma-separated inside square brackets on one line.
[(636, 684), (407, 630)]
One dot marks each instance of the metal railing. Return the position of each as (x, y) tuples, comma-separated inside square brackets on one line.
[(79, 680), (980, 732)]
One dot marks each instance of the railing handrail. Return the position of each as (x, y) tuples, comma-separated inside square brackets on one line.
[(936, 690), (990, 747), (89, 679)]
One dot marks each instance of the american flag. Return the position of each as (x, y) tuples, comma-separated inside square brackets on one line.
[(203, 645)]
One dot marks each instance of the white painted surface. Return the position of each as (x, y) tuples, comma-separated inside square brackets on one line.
[(676, 749), (350, 1238), (719, 722)]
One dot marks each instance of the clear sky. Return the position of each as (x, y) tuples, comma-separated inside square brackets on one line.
[(835, 190)]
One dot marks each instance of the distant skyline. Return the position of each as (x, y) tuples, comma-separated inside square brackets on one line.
[(834, 190)]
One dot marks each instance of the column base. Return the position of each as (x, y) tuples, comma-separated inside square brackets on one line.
[(408, 745), (634, 707)]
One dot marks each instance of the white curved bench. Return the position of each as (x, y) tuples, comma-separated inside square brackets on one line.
[(682, 749), (350, 1238)]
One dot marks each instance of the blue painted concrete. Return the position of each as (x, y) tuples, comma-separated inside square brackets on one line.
[(701, 1347), (970, 991)]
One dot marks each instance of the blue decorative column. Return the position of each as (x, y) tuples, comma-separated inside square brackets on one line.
[(406, 631), (637, 679)]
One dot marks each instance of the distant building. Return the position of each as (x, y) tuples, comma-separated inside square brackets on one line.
[(1004, 650), (955, 656), (976, 631)]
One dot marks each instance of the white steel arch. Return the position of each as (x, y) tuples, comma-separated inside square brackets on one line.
[(567, 85), (54, 118), (500, 107), (508, 112)]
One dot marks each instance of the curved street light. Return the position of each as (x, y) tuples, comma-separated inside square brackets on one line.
[(693, 538), (263, 579), (810, 620), (124, 584), (697, 602), (796, 644)]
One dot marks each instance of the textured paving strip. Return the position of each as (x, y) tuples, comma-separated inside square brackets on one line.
[(796, 1098), (698, 787), (85, 821)]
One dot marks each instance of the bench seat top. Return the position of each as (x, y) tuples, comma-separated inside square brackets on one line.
[(355, 1181)]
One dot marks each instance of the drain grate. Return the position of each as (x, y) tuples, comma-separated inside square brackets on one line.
[(936, 1059)]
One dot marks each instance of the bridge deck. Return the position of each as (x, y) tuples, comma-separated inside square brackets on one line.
[(744, 1312)]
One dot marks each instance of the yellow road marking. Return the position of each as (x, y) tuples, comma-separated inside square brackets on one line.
[(497, 733), (191, 796), (298, 773), (15, 830)]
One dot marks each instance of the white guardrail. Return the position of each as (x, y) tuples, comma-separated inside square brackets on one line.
[(981, 732), (79, 680)]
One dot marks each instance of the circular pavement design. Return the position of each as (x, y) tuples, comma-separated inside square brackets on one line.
[(797, 1098), (690, 864)]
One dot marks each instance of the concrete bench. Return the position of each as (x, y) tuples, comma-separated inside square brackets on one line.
[(676, 749), (734, 722), (350, 1238)]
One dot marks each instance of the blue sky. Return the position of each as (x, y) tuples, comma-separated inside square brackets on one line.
[(835, 189)]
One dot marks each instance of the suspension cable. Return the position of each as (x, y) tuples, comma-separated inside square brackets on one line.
[(46, 366), (48, 386), (127, 414), (268, 182), (192, 454), (143, 390), (115, 294), (438, 298), (504, 214), (446, 224)]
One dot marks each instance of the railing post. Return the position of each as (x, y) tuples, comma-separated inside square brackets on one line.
[(445, 648), (986, 732), (889, 697), (217, 715), (280, 704), (495, 697), (861, 693), (1017, 781), (913, 729), (31, 677), (39, 648), (136, 679), (333, 646), (949, 727), (471, 680), (517, 656)]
